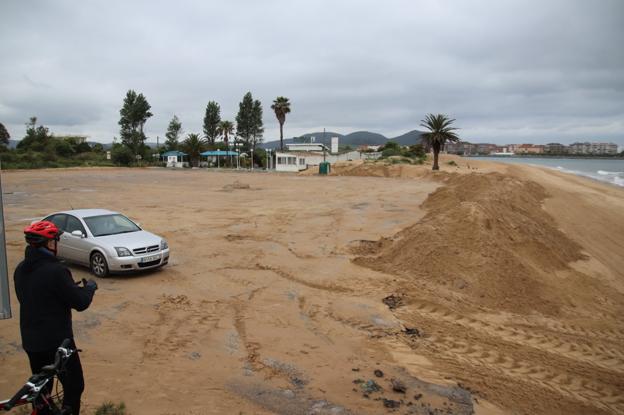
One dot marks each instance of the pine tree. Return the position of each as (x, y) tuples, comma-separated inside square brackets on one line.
[(174, 131), (134, 113), (257, 126), (4, 135), (212, 118), (245, 118)]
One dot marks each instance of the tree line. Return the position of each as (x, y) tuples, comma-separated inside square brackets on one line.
[(242, 135), (40, 148)]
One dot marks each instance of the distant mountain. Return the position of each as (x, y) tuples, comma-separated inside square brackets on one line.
[(319, 137), (360, 138), (408, 139), (322, 137), (355, 139)]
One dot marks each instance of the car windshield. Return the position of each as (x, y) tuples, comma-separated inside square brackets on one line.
[(110, 225)]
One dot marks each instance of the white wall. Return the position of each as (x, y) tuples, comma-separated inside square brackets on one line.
[(314, 159), (288, 162), (334, 145)]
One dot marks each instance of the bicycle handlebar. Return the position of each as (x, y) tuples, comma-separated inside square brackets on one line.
[(62, 353), (11, 402)]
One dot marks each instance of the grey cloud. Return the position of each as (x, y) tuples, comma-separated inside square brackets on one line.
[(508, 70)]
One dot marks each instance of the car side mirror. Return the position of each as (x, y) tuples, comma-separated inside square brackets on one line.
[(78, 233)]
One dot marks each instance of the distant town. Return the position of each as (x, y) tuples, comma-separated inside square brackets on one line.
[(465, 148)]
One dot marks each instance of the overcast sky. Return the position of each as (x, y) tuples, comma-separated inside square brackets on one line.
[(507, 71)]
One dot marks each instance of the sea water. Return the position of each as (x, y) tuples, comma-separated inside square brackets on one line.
[(604, 170)]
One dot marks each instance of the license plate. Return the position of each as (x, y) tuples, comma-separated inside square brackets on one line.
[(150, 258)]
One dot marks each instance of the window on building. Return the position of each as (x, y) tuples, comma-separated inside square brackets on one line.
[(292, 161), (281, 160), (302, 162)]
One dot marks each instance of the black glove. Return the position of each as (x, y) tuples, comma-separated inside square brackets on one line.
[(89, 285)]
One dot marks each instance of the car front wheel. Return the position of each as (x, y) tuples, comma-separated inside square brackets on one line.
[(99, 267)]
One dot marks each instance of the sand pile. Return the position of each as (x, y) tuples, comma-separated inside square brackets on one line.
[(486, 236), (237, 185), (379, 169)]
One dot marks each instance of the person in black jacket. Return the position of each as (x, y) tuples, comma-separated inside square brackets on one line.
[(47, 292)]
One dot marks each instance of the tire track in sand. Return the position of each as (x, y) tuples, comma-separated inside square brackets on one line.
[(606, 395), (588, 350), (577, 371)]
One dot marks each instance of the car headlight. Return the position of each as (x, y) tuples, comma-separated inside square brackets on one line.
[(163, 245), (121, 251)]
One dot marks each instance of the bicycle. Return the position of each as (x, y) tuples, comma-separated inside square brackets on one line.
[(44, 390)]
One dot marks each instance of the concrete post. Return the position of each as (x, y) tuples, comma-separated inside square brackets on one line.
[(5, 299)]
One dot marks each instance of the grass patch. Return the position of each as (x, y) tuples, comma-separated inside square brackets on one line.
[(110, 408)]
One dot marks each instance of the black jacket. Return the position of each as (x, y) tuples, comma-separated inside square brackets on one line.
[(47, 293)]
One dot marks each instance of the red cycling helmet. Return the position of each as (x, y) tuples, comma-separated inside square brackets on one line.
[(40, 232)]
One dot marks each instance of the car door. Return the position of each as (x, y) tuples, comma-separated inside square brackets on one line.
[(77, 247), (60, 220)]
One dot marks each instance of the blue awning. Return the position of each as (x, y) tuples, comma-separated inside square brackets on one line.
[(219, 153)]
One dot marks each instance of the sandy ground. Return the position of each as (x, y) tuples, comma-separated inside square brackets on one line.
[(490, 288)]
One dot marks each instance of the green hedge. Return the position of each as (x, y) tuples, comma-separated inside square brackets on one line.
[(36, 160)]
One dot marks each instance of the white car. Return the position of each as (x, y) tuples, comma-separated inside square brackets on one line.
[(107, 241)]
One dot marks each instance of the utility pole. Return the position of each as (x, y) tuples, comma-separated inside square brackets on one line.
[(323, 144), (5, 299)]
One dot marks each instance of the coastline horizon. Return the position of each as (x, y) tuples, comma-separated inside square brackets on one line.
[(604, 170)]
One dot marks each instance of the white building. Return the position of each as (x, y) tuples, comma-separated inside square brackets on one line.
[(334, 145), (174, 158), (604, 148), (295, 161), (290, 161)]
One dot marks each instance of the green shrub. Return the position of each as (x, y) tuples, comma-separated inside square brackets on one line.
[(452, 163), (415, 151), (391, 144), (389, 152), (110, 408), (122, 155), (63, 148)]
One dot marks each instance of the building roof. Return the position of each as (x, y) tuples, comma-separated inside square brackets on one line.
[(173, 153), (299, 146), (299, 153)]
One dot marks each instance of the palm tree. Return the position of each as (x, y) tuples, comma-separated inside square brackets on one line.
[(224, 129), (440, 131), (194, 145), (281, 106)]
